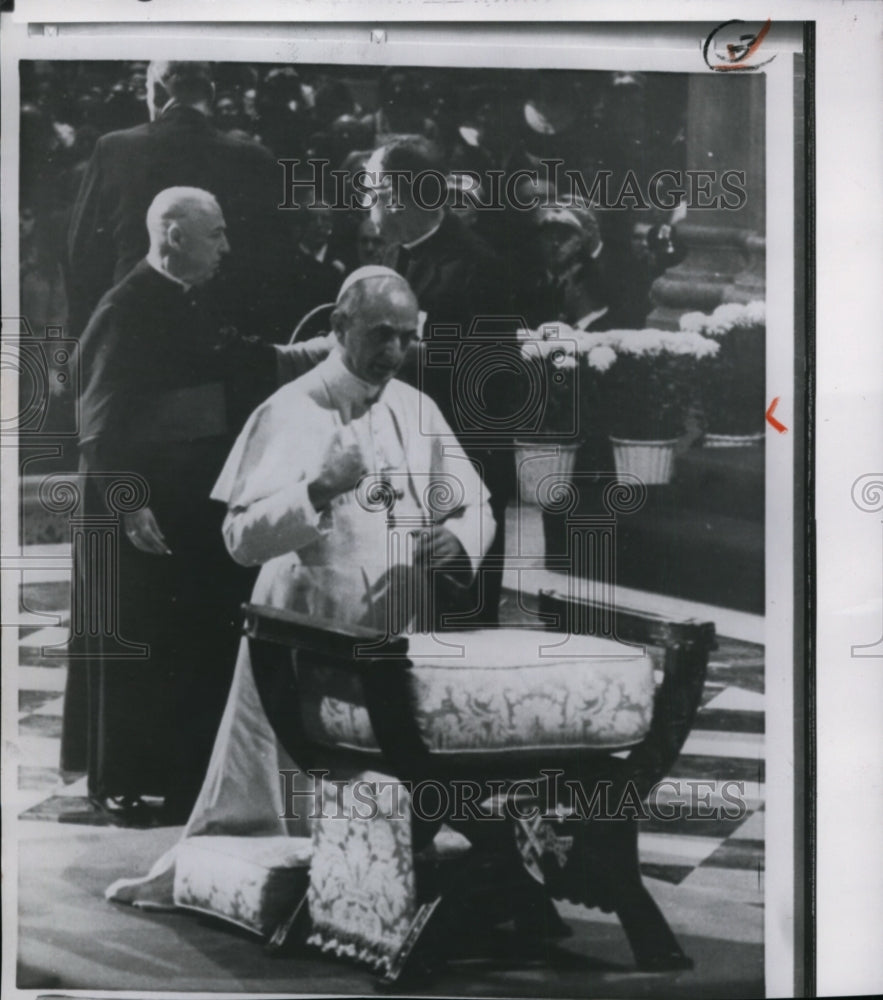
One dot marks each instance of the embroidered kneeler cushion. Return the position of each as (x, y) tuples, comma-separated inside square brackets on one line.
[(362, 895), (252, 882), (500, 692)]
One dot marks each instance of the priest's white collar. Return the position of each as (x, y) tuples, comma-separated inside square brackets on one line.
[(425, 236)]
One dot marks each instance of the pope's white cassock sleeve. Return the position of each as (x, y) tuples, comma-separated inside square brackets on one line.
[(317, 564)]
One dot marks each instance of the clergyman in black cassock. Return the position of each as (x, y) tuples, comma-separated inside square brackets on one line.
[(161, 402)]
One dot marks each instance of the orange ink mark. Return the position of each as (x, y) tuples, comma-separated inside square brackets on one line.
[(778, 425)]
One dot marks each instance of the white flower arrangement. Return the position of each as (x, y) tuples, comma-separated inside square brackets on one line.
[(693, 322), (550, 338), (726, 317), (601, 357), (755, 312), (554, 349), (638, 343), (555, 339), (733, 387), (565, 362), (639, 379), (533, 335)]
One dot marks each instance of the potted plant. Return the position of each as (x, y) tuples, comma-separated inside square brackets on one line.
[(649, 379), (733, 390), (551, 356)]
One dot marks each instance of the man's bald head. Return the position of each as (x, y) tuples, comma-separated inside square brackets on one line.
[(397, 211), (175, 204), (188, 83), (187, 233), (375, 320)]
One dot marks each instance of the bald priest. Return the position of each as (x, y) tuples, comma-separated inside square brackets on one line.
[(165, 391)]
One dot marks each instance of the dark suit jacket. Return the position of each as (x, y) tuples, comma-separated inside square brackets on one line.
[(627, 270), (620, 277), (455, 276), (182, 147), (313, 283), (462, 288), (545, 302)]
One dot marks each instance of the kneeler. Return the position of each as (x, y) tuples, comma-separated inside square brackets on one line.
[(512, 716)]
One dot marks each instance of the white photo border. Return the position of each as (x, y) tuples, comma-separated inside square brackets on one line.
[(536, 47)]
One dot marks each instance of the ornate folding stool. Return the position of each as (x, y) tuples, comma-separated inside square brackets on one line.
[(505, 736)]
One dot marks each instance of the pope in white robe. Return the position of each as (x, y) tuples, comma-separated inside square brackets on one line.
[(337, 486)]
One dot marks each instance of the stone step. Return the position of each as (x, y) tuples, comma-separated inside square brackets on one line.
[(698, 556), (710, 558), (726, 481)]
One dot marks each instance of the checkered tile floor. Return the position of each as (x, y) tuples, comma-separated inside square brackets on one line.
[(724, 753)]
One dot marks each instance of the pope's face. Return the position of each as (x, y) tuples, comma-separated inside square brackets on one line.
[(379, 335), (202, 244)]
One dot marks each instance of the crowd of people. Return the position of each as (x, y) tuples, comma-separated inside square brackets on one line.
[(477, 120), (152, 232)]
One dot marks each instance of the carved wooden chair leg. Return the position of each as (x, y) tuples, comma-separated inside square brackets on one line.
[(653, 944), (519, 896), (651, 939), (292, 932), (464, 898), (537, 919), (414, 960)]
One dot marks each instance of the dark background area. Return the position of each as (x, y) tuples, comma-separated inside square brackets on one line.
[(617, 121)]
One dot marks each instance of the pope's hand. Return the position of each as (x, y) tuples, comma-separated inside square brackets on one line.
[(342, 468), (144, 533), (442, 544)]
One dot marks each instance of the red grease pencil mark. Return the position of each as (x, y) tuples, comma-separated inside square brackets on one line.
[(780, 427), (735, 50), (738, 54)]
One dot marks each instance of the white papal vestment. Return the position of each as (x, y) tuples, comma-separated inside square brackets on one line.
[(334, 564)]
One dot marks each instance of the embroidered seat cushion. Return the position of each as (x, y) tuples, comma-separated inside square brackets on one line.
[(252, 882), (500, 691)]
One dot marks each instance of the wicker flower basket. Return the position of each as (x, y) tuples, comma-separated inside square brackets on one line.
[(733, 440), (651, 461), (537, 461)]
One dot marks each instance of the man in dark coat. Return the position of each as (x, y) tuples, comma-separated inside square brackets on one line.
[(461, 288), (572, 282), (180, 146), (595, 277), (161, 402)]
